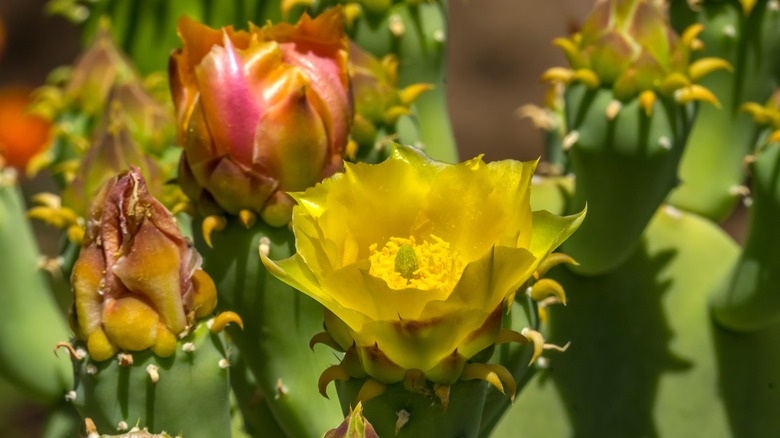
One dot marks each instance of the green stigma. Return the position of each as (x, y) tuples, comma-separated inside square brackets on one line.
[(406, 261)]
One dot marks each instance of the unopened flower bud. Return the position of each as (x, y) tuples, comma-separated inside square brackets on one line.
[(261, 112)]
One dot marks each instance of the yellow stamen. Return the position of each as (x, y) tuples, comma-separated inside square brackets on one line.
[(404, 263)]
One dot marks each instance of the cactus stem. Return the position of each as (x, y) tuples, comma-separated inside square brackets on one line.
[(403, 418), (153, 372), (124, 359), (74, 353), (613, 109), (570, 140), (281, 389), (264, 247)]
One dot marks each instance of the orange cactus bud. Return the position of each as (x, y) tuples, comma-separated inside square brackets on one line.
[(22, 135), (260, 112), (137, 282)]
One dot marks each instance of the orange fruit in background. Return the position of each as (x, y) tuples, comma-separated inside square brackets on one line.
[(22, 135)]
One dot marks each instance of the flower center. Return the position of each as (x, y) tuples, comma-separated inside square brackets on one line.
[(404, 263)]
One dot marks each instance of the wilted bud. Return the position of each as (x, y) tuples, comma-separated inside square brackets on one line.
[(261, 112), (354, 426), (137, 282)]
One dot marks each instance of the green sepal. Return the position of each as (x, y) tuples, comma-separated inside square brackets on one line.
[(191, 398)]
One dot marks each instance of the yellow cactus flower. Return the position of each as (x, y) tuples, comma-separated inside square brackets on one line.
[(414, 259)]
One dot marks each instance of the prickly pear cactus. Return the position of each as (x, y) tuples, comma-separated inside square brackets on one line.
[(628, 111)]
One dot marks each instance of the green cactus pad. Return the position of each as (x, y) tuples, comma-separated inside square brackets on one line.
[(278, 324), (646, 358), (31, 322), (190, 397)]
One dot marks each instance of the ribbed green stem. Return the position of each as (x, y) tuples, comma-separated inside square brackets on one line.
[(191, 396), (31, 322), (278, 324), (749, 299), (258, 418), (427, 417), (515, 358), (624, 167)]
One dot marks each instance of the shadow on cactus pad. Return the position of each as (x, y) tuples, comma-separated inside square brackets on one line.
[(656, 365)]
